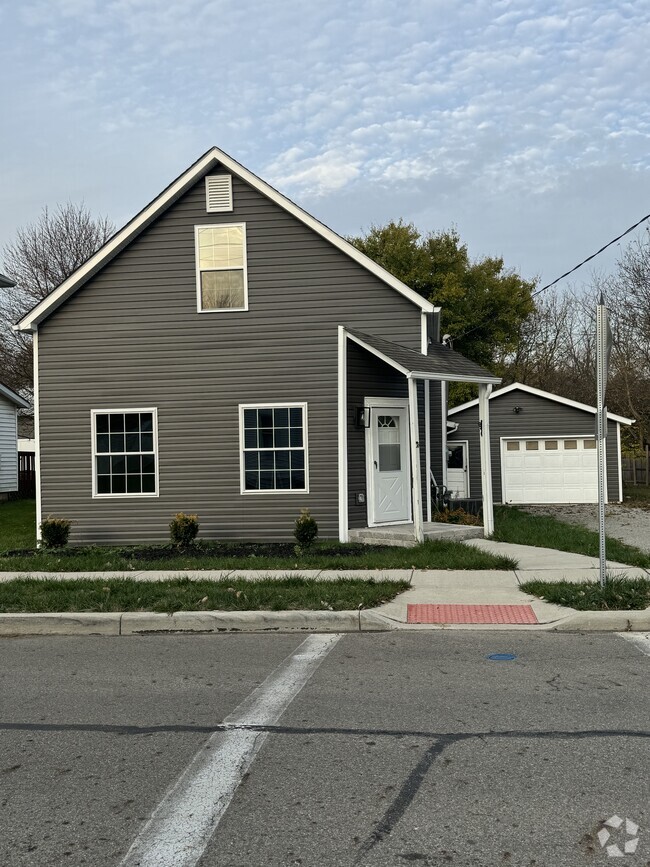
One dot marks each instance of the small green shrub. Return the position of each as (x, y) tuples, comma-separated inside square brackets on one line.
[(305, 531), (55, 532), (183, 529)]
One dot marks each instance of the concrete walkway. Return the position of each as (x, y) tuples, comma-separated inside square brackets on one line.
[(468, 587)]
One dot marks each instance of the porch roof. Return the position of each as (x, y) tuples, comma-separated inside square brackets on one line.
[(440, 364)]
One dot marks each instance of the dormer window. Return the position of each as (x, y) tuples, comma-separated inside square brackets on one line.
[(221, 268)]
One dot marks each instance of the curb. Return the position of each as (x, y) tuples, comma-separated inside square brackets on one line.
[(193, 622), (213, 622), (604, 621)]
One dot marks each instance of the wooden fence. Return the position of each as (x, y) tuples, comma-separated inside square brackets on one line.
[(636, 471)]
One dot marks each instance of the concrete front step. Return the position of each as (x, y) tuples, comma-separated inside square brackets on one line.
[(401, 535)]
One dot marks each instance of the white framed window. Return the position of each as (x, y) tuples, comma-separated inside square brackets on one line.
[(125, 452), (273, 448), (221, 274)]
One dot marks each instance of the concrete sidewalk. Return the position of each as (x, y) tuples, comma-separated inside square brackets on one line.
[(471, 587)]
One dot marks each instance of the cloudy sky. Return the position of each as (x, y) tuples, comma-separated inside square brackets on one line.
[(524, 123)]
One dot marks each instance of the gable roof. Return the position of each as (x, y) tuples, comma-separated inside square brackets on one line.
[(519, 386), (441, 363), (172, 193), (11, 395)]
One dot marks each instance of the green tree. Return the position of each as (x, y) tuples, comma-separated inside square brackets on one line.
[(483, 303)]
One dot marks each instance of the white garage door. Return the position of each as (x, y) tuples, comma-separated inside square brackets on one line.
[(550, 470)]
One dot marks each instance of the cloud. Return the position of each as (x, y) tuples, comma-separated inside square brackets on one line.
[(426, 110)]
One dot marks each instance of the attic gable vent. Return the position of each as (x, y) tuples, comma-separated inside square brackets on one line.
[(218, 193)]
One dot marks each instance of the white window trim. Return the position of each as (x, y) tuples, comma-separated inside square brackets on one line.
[(93, 415), (199, 308), (305, 445)]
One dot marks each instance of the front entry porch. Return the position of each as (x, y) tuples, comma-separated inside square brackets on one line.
[(403, 535)]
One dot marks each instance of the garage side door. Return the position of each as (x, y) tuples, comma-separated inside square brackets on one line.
[(549, 470)]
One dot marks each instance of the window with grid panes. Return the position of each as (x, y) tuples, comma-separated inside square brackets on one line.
[(274, 448), (125, 452)]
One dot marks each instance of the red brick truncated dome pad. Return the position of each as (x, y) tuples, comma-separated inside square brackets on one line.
[(432, 613)]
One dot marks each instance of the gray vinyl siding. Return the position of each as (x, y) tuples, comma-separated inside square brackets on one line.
[(132, 338), (8, 447), (539, 417)]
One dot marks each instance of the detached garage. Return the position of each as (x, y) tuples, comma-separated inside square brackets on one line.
[(543, 449)]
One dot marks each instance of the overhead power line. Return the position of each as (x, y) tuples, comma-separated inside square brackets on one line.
[(567, 273), (593, 256)]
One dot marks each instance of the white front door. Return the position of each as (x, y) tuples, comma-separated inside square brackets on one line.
[(457, 469), (389, 467)]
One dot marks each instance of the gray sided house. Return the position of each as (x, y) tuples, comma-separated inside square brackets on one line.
[(227, 354), (10, 403), (543, 449)]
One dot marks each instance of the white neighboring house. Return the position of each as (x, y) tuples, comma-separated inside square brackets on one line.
[(10, 403)]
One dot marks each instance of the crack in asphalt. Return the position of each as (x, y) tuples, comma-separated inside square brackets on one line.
[(179, 728), (411, 785)]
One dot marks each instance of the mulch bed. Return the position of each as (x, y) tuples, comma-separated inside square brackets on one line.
[(202, 551)]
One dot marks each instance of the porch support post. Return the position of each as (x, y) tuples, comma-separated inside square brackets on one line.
[(418, 529), (342, 425), (444, 392), (427, 445), (484, 391)]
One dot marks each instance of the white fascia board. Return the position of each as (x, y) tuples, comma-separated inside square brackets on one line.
[(545, 394), (31, 321), (13, 397), (452, 377)]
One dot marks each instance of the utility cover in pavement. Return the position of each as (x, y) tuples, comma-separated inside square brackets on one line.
[(433, 613)]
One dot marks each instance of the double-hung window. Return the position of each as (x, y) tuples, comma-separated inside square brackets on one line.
[(125, 459), (274, 448), (221, 267)]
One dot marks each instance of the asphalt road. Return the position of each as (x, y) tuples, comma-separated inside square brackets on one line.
[(389, 749)]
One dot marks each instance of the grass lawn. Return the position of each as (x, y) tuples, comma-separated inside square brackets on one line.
[(17, 524), (521, 528), (227, 555), (619, 594), (90, 595)]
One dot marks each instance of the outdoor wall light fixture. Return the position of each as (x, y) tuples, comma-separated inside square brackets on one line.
[(516, 410), (362, 417)]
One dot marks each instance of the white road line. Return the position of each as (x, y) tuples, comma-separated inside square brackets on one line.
[(182, 824), (640, 640)]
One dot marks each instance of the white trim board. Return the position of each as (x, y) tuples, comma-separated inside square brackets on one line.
[(11, 395), (518, 386), (201, 167)]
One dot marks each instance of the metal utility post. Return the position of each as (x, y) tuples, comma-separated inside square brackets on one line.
[(603, 350)]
